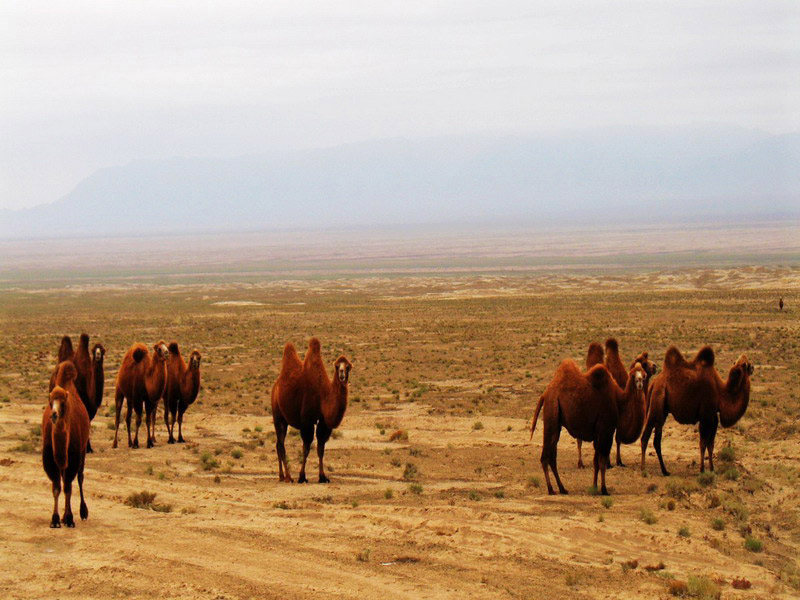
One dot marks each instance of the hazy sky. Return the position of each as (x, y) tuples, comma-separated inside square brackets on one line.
[(94, 84)]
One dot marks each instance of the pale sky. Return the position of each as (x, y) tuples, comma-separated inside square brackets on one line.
[(92, 84)]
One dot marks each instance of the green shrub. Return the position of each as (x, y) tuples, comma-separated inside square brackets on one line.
[(684, 532), (717, 524), (703, 588), (647, 516), (753, 544)]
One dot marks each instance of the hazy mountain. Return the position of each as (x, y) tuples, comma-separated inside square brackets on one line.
[(607, 176)]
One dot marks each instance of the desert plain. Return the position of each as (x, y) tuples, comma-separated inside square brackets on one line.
[(436, 489)]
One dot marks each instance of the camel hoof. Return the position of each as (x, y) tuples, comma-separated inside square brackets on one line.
[(665, 473), (581, 465), (302, 478), (55, 522), (621, 464), (150, 443), (84, 512), (68, 521), (181, 440), (114, 445), (564, 492), (551, 493), (604, 492), (324, 479), (171, 441)]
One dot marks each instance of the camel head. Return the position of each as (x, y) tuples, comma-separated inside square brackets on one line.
[(650, 368), (638, 375), (58, 403), (161, 350), (342, 368), (740, 371), (194, 360), (98, 352)]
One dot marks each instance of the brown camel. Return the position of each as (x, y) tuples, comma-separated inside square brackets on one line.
[(65, 434), (591, 406), (613, 362), (140, 381), (181, 390), (780, 304), (90, 375), (304, 397), (693, 392)]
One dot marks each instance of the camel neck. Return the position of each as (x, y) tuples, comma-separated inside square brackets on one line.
[(59, 440), (335, 403), (734, 398)]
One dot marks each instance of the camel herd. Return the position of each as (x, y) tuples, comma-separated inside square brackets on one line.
[(604, 403)]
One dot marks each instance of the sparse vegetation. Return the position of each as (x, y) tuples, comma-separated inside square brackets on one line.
[(647, 516), (147, 501)]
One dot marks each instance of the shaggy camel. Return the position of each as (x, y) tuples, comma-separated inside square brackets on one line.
[(181, 390), (65, 434), (90, 375), (693, 392), (591, 406), (613, 362), (140, 381), (304, 397)]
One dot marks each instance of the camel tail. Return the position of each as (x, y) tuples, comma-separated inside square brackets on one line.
[(536, 414)]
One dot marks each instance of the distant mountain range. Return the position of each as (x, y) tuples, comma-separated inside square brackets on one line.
[(609, 176)]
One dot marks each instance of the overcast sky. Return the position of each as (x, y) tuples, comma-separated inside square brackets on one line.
[(95, 84)]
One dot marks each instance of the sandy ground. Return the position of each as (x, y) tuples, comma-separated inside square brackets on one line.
[(474, 521)]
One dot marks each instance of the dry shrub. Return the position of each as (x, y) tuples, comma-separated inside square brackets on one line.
[(741, 583), (399, 435)]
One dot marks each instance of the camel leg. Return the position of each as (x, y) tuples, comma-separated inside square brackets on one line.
[(68, 519), (600, 463), (135, 443), (648, 429), (657, 446), (84, 508), (323, 434), (580, 454), (708, 431), (55, 521), (118, 405), (170, 439), (280, 448), (128, 413), (180, 427), (307, 433), (619, 456)]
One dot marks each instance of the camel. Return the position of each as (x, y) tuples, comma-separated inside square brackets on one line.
[(65, 435), (304, 397), (693, 392), (90, 375), (591, 406), (141, 381), (780, 304), (596, 355), (181, 390)]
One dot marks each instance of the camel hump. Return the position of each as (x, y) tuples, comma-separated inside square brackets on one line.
[(314, 347), (139, 352), (595, 355), (173, 348), (66, 373), (84, 343), (598, 376), (612, 345), (674, 359), (706, 356), (289, 351), (65, 351)]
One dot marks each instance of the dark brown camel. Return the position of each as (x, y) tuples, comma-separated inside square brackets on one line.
[(183, 385), (693, 392), (780, 304), (90, 375), (65, 434), (591, 406), (304, 397), (613, 362), (140, 381)]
